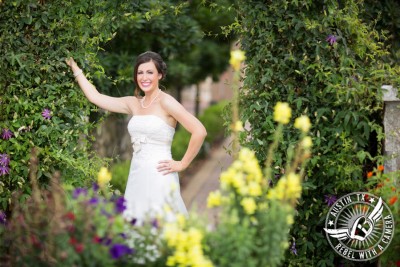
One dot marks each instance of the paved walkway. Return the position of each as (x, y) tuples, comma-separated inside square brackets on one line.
[(195, 193)]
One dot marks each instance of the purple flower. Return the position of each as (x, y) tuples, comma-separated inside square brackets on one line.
[(6, 134), (105, 213), (79, 191), (46, 114), (4, 170), (95, 187), (154, 223), (331, 39), (3, 217), (105, 241), (93, 201), (119, 250), (120, 205), (4, 160), (293, 248), (330, 200), (133, 221)]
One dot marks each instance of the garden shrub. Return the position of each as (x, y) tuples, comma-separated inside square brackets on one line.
[(41, 105), (180, 143), (327, 63), (385, 185), (65, 226), (120, 172), (213, 122)]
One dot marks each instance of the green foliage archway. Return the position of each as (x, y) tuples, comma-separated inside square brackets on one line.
[(40, 105)]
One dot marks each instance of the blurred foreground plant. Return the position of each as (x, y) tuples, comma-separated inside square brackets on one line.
[(64, 226), (386, 185), (257, 209)]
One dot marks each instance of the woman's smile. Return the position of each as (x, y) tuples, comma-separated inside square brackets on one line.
[(148, 76)]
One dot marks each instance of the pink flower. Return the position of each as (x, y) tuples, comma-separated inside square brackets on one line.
[(331, 39), (330, 200), (6, 134), (79, 247), (46, 114), (4, 170), (4, 160)]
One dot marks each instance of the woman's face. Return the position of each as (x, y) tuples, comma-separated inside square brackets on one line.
[(148, 76)]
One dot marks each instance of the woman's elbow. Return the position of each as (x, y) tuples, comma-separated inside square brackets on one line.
[(203, 132)]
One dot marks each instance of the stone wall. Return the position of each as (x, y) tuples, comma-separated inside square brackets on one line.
[(112, 138), (391, 123)]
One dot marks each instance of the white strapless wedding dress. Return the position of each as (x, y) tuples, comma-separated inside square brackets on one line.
[(149, 193)]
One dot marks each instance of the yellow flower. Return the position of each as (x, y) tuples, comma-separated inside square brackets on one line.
[(243, 190), (238, 126), (237, 57), (282, 113), (171, 234), (103, 177), (249, 205), (171, 261), (289, 219), (194, 236), (167, 208), (254, 189), (237, 165), (214, 199), (180, 257), (293, 186), (284, 245), (181, 220), (226, 178), (237, 180), (302, 123), (245, 153), (194, 255), (187, 246), (278, 192), (306, 142)]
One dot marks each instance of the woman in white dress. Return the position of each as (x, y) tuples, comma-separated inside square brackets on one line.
[(153, 182)]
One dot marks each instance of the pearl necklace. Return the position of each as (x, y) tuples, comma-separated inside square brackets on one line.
[(151, 102)]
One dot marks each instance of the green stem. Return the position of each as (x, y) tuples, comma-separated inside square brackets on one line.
[(271, 150), (235, 113)]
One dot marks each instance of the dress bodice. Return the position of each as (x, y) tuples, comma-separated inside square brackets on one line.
[(150, 130)]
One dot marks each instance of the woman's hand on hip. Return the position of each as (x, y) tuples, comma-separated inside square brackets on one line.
[(169, 166)]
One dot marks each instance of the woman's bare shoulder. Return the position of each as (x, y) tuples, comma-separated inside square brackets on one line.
[(172, 106), (132, 102), (168, 100)]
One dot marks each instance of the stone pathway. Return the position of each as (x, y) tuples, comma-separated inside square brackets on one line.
[(204, 181)]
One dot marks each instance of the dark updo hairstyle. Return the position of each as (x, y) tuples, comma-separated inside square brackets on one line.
[(147, 57)]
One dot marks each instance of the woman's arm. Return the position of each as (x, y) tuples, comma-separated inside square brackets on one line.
[(113, 104), (191, 124)]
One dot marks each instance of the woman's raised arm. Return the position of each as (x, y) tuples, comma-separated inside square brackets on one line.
[(113, 104)]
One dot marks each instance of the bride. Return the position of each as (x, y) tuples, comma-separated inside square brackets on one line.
[(153, 183)]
